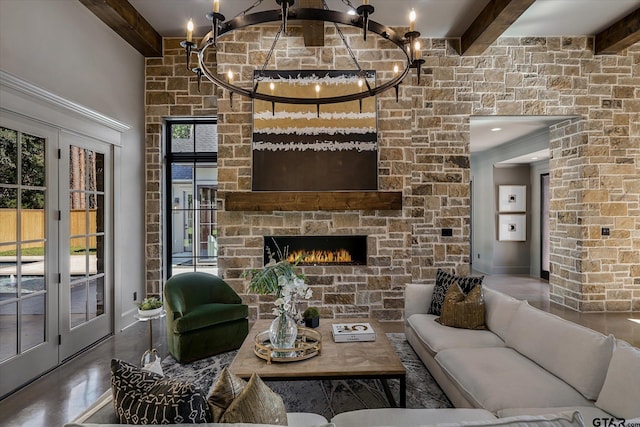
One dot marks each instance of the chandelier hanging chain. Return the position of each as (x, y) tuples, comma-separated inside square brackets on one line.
[(273, 46), (220, 26), (344, 40), (253, 6)]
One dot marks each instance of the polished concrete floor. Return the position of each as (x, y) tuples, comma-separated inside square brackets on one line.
[(62, 394)]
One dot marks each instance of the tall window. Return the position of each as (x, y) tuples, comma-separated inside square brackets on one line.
[(191, 193)]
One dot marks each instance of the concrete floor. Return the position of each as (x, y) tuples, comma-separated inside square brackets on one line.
[(62, 394)]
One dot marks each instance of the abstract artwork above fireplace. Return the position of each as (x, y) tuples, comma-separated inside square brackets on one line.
[(299, 147)]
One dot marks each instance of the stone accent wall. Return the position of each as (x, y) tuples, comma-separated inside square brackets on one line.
[(424, 152)]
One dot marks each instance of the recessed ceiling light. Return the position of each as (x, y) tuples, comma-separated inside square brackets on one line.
[(496, 129), (534, 158), (351, 12)]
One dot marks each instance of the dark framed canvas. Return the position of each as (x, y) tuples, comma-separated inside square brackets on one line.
[(298, 147)]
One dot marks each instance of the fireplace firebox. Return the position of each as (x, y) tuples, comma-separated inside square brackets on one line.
[(318, 250)]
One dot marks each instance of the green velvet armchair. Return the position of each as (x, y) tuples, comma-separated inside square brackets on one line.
[(205, 316)]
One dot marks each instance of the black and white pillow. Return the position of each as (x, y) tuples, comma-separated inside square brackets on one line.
[(444, 281), (142, 397)]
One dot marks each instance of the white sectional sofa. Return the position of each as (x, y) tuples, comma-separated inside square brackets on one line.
[(527, 361), (529, 368)]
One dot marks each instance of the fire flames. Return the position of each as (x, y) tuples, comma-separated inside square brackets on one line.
[(320, 256)]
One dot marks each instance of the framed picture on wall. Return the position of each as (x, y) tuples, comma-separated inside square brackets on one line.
[(512, 198), (512, 227)]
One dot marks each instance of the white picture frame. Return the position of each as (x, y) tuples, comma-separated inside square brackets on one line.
[(512, 198), (512, 227)]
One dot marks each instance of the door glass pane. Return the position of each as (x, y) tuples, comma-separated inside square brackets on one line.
[(96, 255), (8, 156), (78, 306), (207, 137), (96, 297), (78, 257), (98, 215), (32, 321), (182, 138), (32, 215), (8, 271), (8, 215), (32, 161), (8, 330)]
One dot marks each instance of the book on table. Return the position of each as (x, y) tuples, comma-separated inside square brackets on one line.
[(353, 332)]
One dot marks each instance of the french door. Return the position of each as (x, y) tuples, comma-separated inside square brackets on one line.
[(55, 247), (84, 244)]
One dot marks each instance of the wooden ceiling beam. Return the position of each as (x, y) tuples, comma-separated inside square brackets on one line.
[(620, 35), (313, 31), (125, 20), (494, 19)]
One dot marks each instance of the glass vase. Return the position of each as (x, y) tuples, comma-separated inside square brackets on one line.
[(282, 334)]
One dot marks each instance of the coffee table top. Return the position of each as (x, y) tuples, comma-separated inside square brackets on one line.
[(339, 360)]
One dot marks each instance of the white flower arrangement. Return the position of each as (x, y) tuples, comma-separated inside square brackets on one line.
[(279, 278)]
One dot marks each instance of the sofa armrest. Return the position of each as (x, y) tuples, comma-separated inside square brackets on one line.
[(417, 298)]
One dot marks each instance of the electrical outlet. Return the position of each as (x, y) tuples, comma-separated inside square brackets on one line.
[(135, 296), (606, 231), (448, 232)]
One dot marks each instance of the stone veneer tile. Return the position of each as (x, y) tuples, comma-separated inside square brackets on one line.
[(424, 152)]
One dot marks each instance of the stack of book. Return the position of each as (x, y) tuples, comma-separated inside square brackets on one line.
[(353, 332)]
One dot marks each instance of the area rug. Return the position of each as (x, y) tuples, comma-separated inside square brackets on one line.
[(329, 397)]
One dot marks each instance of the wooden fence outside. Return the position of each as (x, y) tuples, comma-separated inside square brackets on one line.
[(32, 227)]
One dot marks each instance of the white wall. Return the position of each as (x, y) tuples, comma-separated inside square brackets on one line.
[(60, 46), (488, 253)]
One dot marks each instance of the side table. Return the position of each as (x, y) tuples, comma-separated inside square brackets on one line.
[(150, 355)]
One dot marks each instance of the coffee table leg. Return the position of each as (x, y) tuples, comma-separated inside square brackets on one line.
[(403, 391)]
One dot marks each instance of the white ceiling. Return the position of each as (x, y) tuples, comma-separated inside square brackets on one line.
[(435, 18)]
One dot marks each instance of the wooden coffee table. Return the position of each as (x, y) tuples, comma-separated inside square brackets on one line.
[(350, 360)]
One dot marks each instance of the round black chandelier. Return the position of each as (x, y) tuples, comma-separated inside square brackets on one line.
[(358, 17)]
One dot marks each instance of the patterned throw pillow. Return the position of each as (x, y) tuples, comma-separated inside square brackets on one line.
[(223, 392), (142, 397), (444, 280), (256, 404), (460, 311)]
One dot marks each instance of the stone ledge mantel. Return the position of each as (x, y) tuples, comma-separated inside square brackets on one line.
[(312, 200)]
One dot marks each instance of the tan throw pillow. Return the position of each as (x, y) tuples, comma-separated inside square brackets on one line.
[(460, 311), (227, 387), (256, 404)]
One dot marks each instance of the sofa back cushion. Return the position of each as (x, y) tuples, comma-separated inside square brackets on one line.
[(620, 394), (578, 355), (499, 309)]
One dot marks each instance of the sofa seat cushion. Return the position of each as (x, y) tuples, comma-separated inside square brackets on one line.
[(570, 351), (589, 413), (206, 315), (496, 378), (400, 417), (437, 337)]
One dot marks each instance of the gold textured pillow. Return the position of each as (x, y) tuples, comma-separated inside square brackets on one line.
[(256, 404), (460, 311), (227, 387)]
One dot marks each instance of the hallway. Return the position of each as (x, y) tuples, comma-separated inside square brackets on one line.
[(62, 394)]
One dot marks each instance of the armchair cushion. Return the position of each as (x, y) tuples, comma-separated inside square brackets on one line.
[(209, 315)]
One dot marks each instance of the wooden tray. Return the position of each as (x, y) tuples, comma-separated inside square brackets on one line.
[(307, 345)]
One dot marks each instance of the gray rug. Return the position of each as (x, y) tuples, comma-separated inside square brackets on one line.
[(325, 397)]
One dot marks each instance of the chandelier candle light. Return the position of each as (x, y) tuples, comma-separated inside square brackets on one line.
[(407, 44)]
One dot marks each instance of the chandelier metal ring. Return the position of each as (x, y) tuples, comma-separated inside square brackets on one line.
[(301, 14)]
